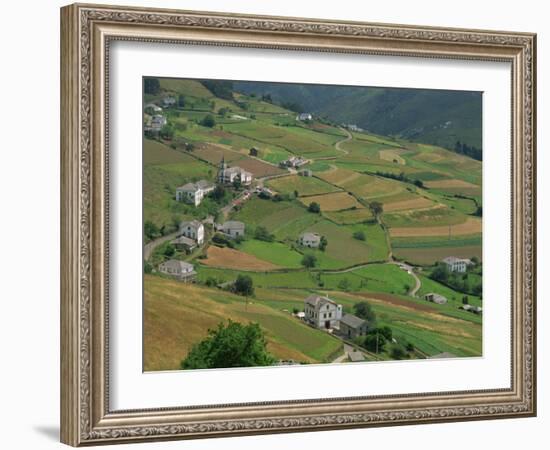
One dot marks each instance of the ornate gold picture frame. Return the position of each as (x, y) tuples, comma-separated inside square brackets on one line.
[(87, 31)]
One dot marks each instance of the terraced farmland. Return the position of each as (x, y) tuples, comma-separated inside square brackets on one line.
[(383, 200)]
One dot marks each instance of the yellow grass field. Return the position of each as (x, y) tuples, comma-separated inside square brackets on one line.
[(178, 315), (392, 155), (333, 202), (470, 226), (234, 259), (415, 203), (453, 183), (339, 177)]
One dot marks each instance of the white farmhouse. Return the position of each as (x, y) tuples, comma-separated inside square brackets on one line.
[(304, 116), (193, 230), (178, 269), (322, 312), (227, 175), (311, 240), (168, 101), (158, 121), (233, 228), (436, 298), (194, 192), (455, 264)]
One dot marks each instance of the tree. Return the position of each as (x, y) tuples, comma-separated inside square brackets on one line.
[(479, 211), (309, 260), (440, 273), (314, 207), (147, 267), (262, 234), (218, 193), (344, 284), (360, 235), (397, 352), (244, 285), (418, 183), (364, 311), (167, 132), (465, 300), (150, 230), (237, 183), (323, 243), (231, 345), (374, 342), (169, 250), (151, 86), (181, 101), (376, 208), (208, 121)]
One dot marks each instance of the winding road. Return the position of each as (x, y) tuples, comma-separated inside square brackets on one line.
[(348, 138)]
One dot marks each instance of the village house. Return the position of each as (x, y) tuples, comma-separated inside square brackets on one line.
[(168, 101), (435, 298), (151, 107), (179, 269), (158, 121), (193, 230), (352, 326), (293, 161), (233, 228), (227, 175), (455, 264), (302, 117), (311, 240), (322, 312), (184, 243), (194, 192)]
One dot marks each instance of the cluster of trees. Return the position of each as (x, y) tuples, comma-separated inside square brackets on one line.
[(220, 88), (471, 151), (293, 106), (208, 121), (314, 207), (401, 177), (359, 235), (262, 234), (457, 281), (230, 345), (152, 231), (309, 260)]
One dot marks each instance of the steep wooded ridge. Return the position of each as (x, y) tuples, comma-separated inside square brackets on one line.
[(439, 117)]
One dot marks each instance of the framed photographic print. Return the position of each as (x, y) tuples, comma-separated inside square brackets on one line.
[(276, 225)]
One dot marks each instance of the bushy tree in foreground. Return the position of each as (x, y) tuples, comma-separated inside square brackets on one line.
[(230, 345)]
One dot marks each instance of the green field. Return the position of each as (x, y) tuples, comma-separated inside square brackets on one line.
[(303, 185), (274, 252)]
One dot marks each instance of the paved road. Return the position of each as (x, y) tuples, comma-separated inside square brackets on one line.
[(344, 356), (149, 247)]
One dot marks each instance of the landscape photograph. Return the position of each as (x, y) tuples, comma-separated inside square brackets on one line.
[(291, 224)]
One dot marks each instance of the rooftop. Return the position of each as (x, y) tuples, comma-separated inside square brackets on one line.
[(315, 300), (193, 223), (178, 265), (233, 224), (352, 321)]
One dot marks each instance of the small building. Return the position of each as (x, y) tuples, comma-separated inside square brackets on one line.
[(322, 312), (158, 121), (352, 326), (184, 243), (311, 240), (178, 269), (302, 117), (435, 298), (168, 101), (305, 173), (228, 175), (193, 230), (455, 264), (152, 108), (194, 192), (233, 228), (356, 356), (472, 308), (293, 161)]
